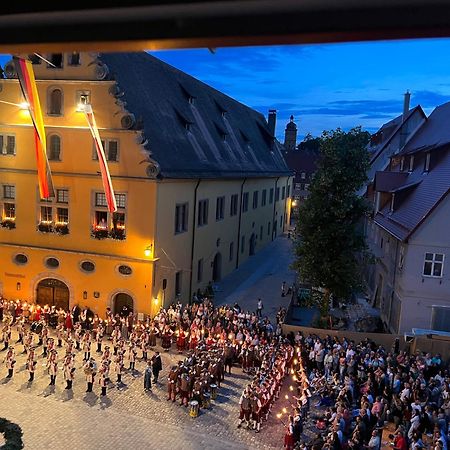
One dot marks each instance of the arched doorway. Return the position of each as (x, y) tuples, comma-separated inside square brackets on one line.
[(252, 245), (52, 292), (123, 304), (217, 267)]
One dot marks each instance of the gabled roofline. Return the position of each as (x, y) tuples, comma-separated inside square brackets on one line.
[(422, 220), (411, 112)]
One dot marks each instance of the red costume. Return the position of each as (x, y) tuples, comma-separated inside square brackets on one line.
[(181, 341), (68, 322)]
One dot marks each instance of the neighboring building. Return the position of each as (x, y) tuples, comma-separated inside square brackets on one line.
[(390, 139), (302, 159), (200, 182), (410, 281)]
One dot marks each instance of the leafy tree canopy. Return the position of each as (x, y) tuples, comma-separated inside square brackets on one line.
[(329, 237)]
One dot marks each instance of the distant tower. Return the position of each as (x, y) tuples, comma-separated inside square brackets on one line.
[(290, 135)]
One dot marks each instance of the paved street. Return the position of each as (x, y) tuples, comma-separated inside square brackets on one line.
[(130, 418), (260, 276)]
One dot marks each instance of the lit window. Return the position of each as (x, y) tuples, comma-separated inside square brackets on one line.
[(74, 59)]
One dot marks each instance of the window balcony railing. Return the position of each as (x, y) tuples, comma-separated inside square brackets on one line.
[(8, 222)]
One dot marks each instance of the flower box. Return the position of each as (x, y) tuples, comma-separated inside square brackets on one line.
[(8, 223), (99, 233), (45, 227), (118, 233), (62, 228)]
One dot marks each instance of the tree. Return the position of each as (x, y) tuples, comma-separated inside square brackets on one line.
[(329, 236)]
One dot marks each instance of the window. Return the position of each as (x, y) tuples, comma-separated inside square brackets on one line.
[(255, 199), (181, 218), (199, 270), (234, 204), (62, 195), (46, 214), (54, 148), (202, 218), (260, 233), (108, 224), (125, 270), (427, 162), (121, 200), (74, 59), (56, 59), (303, 176), (8, 145), (34, 59), (231, 253), (264, 197), (306, 187), (55, 102), (52, 263), (411, 163), (433, 265), (9, 210), (9, 191), (111, 148), (62, 215), (245, 202), (220, 208), (87, 266), (268, 228), (283, 192), (242, 244), (178, 278), (21, 259), (271, 196), (277, 194), (100, 199)]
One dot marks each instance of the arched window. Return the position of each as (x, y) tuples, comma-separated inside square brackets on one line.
[(55, 102), (54, 148)]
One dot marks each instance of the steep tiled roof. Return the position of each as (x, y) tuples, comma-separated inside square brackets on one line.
[(434, 133), (192, 129), (426, 190)]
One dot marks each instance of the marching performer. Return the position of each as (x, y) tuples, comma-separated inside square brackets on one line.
[(21, 331), (52, 366), (28, 342), (10, 361), (31, 363), (87, 346), (118, 367), (103, 380), (89, 371), (131, 355), (6, 335), (60, 334), (99, 337), (69, 370)]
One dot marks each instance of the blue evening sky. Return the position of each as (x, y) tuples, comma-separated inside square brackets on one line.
[(325, 86), (328, 85)]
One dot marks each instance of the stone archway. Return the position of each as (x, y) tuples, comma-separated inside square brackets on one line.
[(123, 304), (217, 267), (52, 292)]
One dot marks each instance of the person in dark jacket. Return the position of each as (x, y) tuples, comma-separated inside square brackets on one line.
[(156, 366)]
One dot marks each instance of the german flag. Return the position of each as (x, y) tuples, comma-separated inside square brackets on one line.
[(25, 74)]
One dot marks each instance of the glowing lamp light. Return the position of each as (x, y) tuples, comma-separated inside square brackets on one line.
[(148, 251), (24, 106), (155, 300), (284, 411)]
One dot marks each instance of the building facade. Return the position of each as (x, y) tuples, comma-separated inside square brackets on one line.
[(200, 185), (409, 280)]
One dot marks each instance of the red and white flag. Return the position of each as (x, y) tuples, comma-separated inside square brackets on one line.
[(106, 177)]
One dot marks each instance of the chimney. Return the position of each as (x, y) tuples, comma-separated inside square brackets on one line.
[(272, 121), (406, 105)]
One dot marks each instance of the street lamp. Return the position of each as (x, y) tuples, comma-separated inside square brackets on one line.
[(148, 251)]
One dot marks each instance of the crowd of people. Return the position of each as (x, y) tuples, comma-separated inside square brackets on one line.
[(358, 388), (347, 390)]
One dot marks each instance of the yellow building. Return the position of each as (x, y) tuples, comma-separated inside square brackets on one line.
[(200, 185)]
